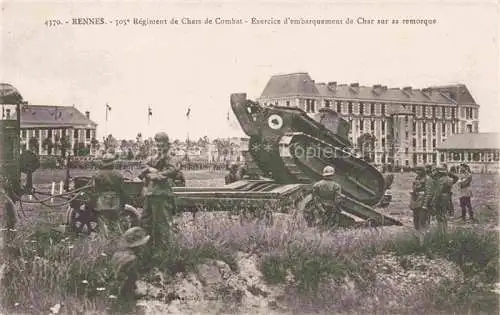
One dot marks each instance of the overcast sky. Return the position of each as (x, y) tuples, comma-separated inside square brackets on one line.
[(170, 67)]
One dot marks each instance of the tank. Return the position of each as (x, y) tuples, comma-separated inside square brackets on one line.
[(290, 147), (10, 100)]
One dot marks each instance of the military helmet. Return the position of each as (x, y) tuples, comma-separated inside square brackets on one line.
[(135, 237), (328, 171), (161, 137)]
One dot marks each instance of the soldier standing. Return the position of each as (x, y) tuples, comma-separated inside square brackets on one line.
[(125, 264), (464, 184), (326, 197), (442, 187), (419, 195), (159, 203), (451, 207)]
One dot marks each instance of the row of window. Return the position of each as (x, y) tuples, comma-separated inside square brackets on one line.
[(49, 132), (424, 127), (473, 156), (469, 157), (417, 110)]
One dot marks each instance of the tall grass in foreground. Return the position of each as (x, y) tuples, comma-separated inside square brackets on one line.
[(331, 272)]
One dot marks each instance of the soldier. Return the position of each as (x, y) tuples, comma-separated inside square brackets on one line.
[(326, 197), (418, 205), (442, 185), (159, 203), (233, 175), (108, 179), (451, 207), (125, 264), (464, 184)]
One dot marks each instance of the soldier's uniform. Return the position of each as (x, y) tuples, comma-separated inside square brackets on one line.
[(159, 203), (442, 186), (419, 197), (326, 197), (465, 191), (125, 263)]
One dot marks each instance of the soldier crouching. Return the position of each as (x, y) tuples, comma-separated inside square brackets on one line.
[(125, 265), (326, 199)]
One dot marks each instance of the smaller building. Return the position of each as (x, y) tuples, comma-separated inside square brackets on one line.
[(481, 151), (46, 129)]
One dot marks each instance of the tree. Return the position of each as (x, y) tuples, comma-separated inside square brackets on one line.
[(110, 142), (203, 141), (123, 144), (130, 154)]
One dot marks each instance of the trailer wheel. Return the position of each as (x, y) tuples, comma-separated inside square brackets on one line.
[(81, 221)]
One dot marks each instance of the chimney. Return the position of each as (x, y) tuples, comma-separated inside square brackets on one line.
[(332, 85), (377, 86), (407, 89), (384, 88), (87, 114), (355, 85)]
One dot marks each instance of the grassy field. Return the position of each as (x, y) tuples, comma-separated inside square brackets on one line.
[(51, 268)]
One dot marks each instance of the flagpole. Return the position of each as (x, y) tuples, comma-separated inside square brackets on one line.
[(106, 123), (149, 131), (187, 133)]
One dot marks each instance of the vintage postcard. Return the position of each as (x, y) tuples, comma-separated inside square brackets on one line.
[(249, 157)]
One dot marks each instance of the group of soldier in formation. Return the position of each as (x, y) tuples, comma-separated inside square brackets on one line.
[(431, 196)]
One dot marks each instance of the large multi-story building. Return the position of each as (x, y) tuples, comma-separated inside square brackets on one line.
[(44, 128), (406, 124)]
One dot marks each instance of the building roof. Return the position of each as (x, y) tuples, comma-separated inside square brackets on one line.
[(477, 141), (302, 84), (53, 116), (290, 85)]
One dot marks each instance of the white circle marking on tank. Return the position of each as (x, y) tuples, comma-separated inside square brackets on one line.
[(275, 121)]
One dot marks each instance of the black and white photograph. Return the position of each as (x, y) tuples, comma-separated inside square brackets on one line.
[(249, 157)]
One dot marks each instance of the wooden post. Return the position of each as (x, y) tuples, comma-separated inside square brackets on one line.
[(52, 191)]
